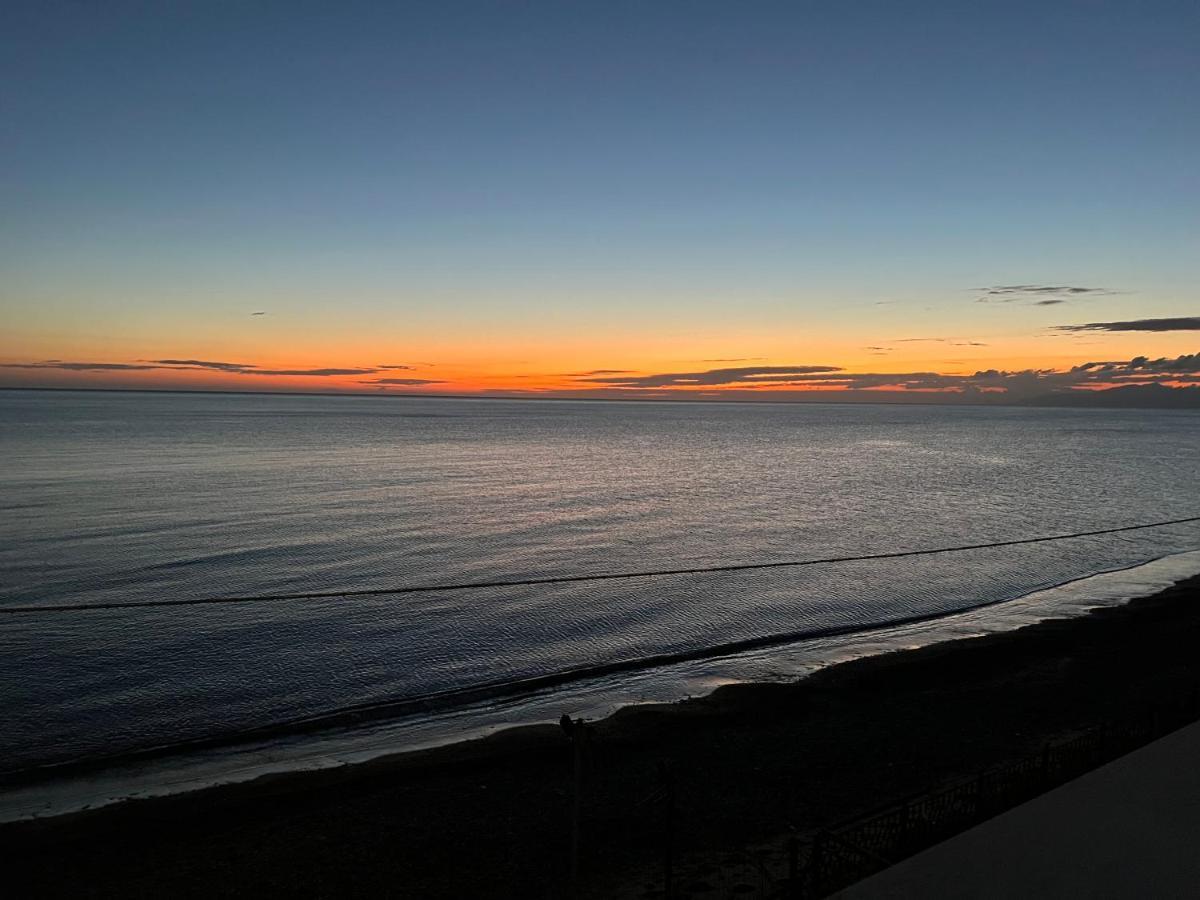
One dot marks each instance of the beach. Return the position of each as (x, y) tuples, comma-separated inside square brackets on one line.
[(748, 764)]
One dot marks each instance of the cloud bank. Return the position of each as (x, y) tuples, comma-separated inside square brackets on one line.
[(747, 374), (1182, 323), (1016, 384)]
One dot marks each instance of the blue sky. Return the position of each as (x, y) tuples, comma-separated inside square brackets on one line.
[(463, 172)]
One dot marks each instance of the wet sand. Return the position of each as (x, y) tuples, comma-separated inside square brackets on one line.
[(492, 817)]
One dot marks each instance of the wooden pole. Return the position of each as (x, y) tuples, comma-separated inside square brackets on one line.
[(793, 867), (668, 831), (576, 812)]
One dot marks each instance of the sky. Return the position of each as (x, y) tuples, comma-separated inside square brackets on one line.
[(609, 199)]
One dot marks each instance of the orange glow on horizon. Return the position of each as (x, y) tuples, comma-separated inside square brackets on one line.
[(524, 371), (605, 362)]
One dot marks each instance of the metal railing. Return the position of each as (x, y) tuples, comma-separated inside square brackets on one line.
[(805, 867)]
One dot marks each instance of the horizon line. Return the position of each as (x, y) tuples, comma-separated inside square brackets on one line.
[(697, 401)]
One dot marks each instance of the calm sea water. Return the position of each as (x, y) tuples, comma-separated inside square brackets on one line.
[(136, 497)]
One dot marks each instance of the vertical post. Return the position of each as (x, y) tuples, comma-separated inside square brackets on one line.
[(668, 830), (793, 850), (577, 738), (816, 865)]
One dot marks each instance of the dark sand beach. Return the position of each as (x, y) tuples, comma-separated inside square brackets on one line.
[(492, 817)]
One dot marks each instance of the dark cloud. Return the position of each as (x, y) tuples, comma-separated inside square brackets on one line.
[(1140, 369), (258, 313), (407, 381), (82, 366), (1142, 365), (201, 364), (867, 380), (175, 365), (596, 372), (1038, 294), (395, 367), (319, 373), (1015, 385), (250, 369), (1183, 323), (747, 375)]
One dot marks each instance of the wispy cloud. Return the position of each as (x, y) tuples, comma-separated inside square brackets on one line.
[(1039, 294), (319, 373), (82, 366), (176, 365), (751, 374), (395, 367), (201, 364), (405, 381), (251, 369), (1183, 323), (596, 372)]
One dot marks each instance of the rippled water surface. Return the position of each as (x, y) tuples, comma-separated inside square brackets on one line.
[(135, 497)]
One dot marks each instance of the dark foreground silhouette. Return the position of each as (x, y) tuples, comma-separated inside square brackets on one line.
[(749, 764)]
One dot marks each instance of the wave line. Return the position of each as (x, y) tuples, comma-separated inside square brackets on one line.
[(571, 579)]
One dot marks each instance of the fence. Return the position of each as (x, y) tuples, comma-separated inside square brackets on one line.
[(836, 857)]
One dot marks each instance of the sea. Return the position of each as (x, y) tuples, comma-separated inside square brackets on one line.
[(110, 500)]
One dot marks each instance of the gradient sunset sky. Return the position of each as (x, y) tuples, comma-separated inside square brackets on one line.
[(600, 198)]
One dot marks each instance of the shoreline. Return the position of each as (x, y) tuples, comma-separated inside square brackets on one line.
[(868, 730), (413, 722)]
